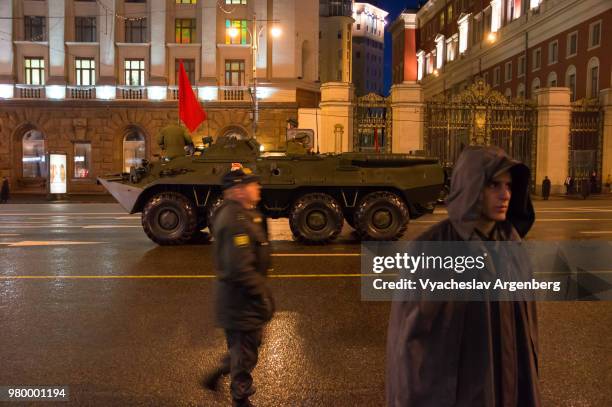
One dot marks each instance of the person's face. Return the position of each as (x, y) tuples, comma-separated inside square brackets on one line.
[(252, 192), (496, 197)]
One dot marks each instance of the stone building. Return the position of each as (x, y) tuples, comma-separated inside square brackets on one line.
[(97, 79), (335, 40), (532, 76), (368, 48)]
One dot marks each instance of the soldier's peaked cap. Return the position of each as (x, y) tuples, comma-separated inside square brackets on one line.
[(239, 176)]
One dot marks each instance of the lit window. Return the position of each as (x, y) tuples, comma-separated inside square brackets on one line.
[(134, 72), (235, 1), (420, 63), (508, 71), (449, 12), (133, 148), (572, 44), (34, 71), (234, 73), (496, 15), (595, 34), (463, 33), (534, 3), (186, 1), (85, 71), (508, 93), (593, 78), (241, 26), (535, 84), (553, 52), (185, 30), (439, 51), (441, 20), (82, 159), (33, 155)]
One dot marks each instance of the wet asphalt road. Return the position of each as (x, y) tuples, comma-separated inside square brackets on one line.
[(133, 326)]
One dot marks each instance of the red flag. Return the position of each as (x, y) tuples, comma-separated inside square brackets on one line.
[(376, 139), (190, 111)]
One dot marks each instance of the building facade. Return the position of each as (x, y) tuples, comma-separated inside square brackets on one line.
[(98, 79), (335, 41), (403, 43), (516, 46), (368, 48)]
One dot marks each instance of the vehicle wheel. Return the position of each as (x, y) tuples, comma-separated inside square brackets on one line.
[(381, 216), (316, 218), (170, 219), (215, 203)]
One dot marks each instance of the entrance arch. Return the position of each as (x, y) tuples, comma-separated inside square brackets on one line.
[(234, 131)]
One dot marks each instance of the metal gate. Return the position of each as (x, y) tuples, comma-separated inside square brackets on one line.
[(372, 124), (585, 145), (480, 116)]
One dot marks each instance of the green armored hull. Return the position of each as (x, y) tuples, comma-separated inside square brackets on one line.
[(376, 194)]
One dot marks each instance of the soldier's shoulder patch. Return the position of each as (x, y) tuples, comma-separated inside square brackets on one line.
[(241, 240)]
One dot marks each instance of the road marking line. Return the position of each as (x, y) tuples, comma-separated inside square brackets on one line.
[(8, 234), (110, 226), (30, 243), (59, 213), (597, 232)]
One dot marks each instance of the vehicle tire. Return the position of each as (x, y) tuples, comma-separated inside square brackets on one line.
[(169, 218), (212, 207), (381, 216), (316, 219)]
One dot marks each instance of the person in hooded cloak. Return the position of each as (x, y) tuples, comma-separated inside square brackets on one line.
[(470, 353)]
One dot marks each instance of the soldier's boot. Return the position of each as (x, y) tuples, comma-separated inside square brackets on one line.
[(211, 380)]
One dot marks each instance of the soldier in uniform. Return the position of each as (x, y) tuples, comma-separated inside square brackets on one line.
[(172, 140), (244, 303)]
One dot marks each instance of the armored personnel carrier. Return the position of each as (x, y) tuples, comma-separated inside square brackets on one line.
[(376, 194)]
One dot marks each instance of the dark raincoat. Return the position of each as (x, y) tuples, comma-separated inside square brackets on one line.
[(468, 353)]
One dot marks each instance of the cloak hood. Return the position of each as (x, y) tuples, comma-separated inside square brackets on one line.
[(476, 166)]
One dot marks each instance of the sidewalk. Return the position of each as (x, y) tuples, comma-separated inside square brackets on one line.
[(68, 198)]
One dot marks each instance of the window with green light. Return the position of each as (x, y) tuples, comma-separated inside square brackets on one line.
[(185, 30), (241, 26)]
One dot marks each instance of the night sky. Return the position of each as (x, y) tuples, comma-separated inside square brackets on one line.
[(394, 7)]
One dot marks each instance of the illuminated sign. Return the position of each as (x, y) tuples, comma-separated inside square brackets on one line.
[(57, 173)]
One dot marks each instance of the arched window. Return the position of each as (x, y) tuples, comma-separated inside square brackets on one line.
[(520, 90), (234, 132), (535, 85), (570, 81), (134, 147), (33, 155), (552, 79), (593, 78)]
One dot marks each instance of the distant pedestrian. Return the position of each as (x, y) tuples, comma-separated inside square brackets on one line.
[(569, 183), (462, 353), (5, 193), (244, 303), (585, 187), (546, 188)]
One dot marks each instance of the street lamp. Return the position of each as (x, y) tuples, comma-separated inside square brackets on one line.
[(276, 32)]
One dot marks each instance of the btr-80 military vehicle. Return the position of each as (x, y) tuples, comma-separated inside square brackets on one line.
[(376, 194)]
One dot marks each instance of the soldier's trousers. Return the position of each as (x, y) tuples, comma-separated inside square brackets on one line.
[(239, 362)]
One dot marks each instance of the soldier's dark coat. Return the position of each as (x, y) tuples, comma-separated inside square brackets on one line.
[(468, 353), (242, 254)]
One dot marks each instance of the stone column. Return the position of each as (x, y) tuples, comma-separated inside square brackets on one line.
[(208, 65), (553, 129), (605, 99), (106, 37), (6, 43), (408, 114), (157, 17), (336, 109), (57, 55)]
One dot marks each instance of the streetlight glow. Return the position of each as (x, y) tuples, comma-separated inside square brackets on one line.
[(276, 32), (233, 32), (492, 37)]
